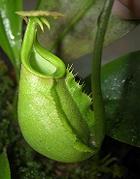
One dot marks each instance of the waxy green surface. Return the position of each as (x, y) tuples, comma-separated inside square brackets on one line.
[(11, 29), (120, 81), (121, 91)]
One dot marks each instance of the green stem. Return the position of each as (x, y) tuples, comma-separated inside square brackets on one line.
[(99, 111), (86, 5)]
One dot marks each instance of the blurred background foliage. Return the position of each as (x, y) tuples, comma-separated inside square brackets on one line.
[(73, 35)]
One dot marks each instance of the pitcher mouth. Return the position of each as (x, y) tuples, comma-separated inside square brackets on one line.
[(37, 59), (44, 67)]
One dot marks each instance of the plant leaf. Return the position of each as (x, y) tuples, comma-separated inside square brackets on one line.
[(121, 91), (4, 166), (120, 81), (10, 29)]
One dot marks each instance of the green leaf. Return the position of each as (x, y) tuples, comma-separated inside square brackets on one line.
[(121, 91), (120, 80), (4, 166), (10, 29)]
